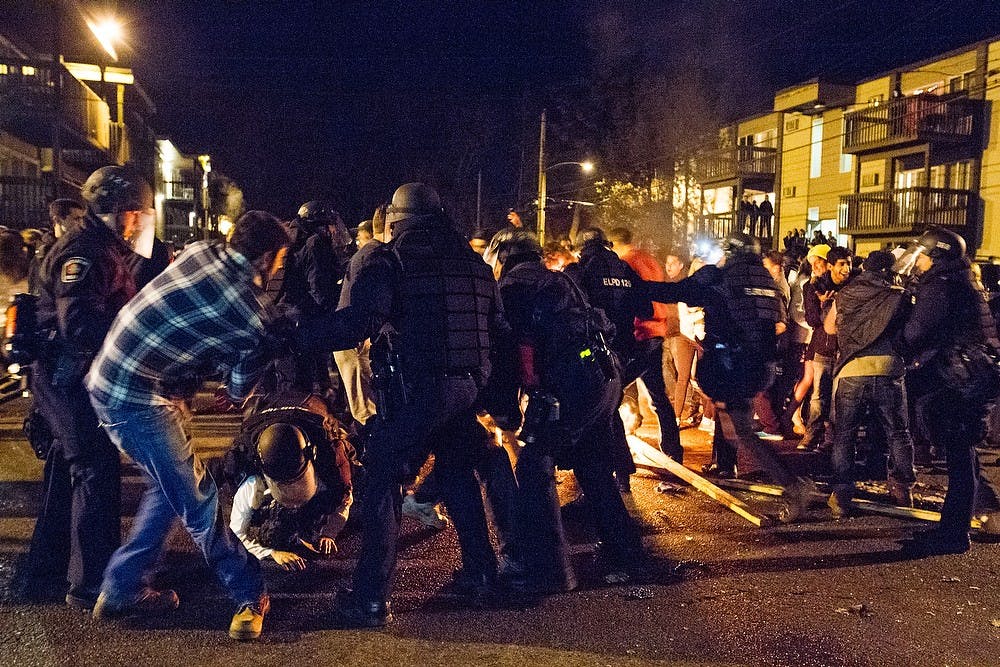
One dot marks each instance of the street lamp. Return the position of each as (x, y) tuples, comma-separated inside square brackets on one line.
[(586, 167), (107, 31)]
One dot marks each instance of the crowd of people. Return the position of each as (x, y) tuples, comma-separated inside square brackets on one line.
[(444, 349)]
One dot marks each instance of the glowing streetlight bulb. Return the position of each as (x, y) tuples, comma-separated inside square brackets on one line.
[(107, 31), (587, 166)]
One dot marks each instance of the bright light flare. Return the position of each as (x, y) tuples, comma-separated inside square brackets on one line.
[(587, 166), (108, 31)]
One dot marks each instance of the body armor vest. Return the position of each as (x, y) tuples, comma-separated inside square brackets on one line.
[(752, 302), (445, 298)]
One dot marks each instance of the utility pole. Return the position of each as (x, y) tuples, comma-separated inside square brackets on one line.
[(479, 201), (57, 99), (540, 229)]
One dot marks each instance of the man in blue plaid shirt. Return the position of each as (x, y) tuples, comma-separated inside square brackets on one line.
[(200, 316)]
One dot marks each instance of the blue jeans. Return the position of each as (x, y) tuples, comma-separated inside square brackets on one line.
[(177, 485), (887, 397), (817, 434)]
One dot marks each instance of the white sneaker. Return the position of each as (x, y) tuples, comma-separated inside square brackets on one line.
[(426, 513), (764, 435), (707, 425)]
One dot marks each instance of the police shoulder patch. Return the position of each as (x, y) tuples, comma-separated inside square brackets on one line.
[(74, 269)]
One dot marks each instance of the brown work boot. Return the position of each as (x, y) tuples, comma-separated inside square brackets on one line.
[(901, 495), (248, 621), (148, 602)]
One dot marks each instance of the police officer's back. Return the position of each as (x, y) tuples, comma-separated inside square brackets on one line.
[(85, 280), (611, 285), (573, 388), (428, 302)]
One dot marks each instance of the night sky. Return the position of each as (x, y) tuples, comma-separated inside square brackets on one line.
[(346, 100)]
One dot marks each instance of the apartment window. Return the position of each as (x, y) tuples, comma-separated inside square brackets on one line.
[(876, 100), (812, 215), (816, 148), (27, 70), (4, 69)]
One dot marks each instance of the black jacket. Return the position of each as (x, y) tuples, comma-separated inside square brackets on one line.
[(613, 286), (870, 315)]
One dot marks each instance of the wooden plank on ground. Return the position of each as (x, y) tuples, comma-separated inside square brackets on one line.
[(648, 456), (862, 504)]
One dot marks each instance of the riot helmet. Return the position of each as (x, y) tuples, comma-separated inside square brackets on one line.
[(936, 243), (508, 243), (738, 243), (318, 212), (592, 235), (286, 460), (114, 190), (413, 200)]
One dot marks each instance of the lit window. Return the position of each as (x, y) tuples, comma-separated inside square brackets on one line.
[(27, 70), (4, 69), (816, 148)]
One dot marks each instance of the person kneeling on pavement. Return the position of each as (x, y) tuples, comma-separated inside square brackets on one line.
[(294, 491)]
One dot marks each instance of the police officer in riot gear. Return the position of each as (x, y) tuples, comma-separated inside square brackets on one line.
[(613, 286), (742, 308), (428, 302), (949, 333), (84, 282), (309, 281), (573, 386)]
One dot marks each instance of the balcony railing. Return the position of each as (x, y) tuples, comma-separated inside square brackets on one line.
[(905, 210), (181, 190), (28, 105), (908, 120), (737, 162), (718, 225), (24, 201)]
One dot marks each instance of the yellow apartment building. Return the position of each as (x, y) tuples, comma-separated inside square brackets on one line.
[(872, 162)]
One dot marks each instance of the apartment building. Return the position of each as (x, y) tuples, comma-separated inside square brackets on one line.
[(874, 162), (60, 120)]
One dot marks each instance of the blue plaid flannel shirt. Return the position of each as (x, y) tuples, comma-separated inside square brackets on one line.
[(199, 316)]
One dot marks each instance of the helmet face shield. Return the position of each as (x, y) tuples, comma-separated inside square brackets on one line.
[(906, 261)]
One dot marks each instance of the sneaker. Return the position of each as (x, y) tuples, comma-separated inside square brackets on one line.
[(773, 437), (426, 513), (148, 602), (81, 599), (349, 612), (248, 621), (707, 425)]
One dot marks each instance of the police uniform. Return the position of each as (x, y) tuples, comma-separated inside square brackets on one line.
[(949, 314), (741, 308), (430, 297), (559, 360), (310, 281), (85, 281)]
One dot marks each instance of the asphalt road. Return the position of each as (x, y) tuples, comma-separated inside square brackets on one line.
[(723, 592)]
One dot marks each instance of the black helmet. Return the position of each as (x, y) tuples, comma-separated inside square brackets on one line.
[(112, 190), (413, 200), (285, 455), (319, 212), (592, 235), (940, 243), (509, 242), (738, 243)]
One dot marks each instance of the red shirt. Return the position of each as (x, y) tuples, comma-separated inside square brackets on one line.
[(660, 325)]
